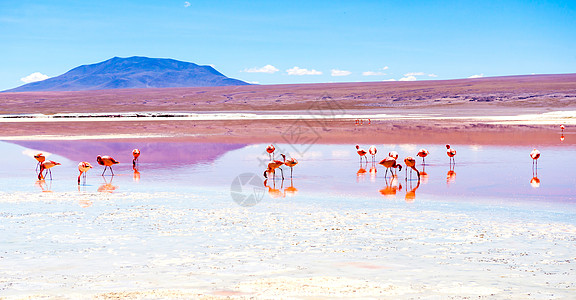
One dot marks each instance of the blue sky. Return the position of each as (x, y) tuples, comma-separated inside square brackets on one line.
[(277, 42)]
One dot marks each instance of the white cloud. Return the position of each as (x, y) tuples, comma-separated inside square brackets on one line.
[(301, 71), (186, 4), (414, 74), (378, 73), (340, 72), (407, 78), (477, 76), (269, 69), (391, 79), (370, 73), (432, 75), (36, 76)]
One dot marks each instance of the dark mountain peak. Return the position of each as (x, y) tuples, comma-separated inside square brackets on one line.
[(132, 72)]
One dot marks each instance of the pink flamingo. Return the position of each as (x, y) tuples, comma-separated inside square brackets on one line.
[(451, 153), (47, 165), (83, 167), (362, 153), (390, 162), (106, 161), (372, 150)]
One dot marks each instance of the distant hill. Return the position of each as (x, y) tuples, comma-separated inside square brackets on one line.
[(130, 73)]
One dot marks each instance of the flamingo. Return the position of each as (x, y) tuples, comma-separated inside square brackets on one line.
[(83, 167), (290, 163), (451, 153), (390, 162), (136, 154), (106, 161), (562, 128), (423, 153), (411, 163), (47, 165), (270, 149), (393, 154), (372, 150), (362, 153), (272, 166), (535, 154), (40, 158)]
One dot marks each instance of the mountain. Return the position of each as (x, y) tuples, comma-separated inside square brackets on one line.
[(131, 73)]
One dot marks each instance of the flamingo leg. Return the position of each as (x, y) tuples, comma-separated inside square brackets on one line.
[(282, 172), (290, 172), (104, 170), (111, 171), (50, 173)]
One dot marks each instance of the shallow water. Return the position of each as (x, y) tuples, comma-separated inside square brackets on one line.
[(201, 217)]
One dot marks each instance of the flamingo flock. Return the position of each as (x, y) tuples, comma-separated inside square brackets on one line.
[(45, 166), (390, 162)]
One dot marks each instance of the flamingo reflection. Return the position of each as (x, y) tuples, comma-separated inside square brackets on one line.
[(373, 171), (424, 175), (451, 175), (391, 188), (86, 202), (535, 182), (136, 176), (46, 188), (107, 186), (361, 173), (410, 196), (290, 191), (272, 190)]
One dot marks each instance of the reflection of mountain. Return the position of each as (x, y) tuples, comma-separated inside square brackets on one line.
[(172, 153)]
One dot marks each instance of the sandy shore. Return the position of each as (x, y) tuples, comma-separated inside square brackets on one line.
[(498, 130)]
